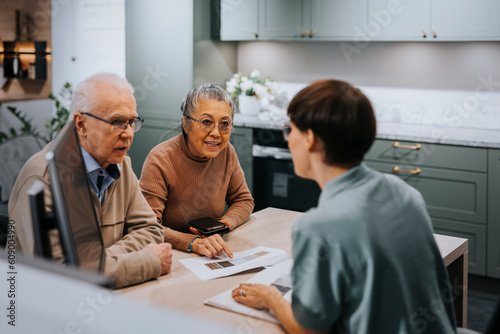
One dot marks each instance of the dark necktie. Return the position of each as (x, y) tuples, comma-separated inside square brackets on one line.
[(100, 178)]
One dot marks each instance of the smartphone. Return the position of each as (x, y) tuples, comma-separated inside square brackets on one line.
[(208, 226)]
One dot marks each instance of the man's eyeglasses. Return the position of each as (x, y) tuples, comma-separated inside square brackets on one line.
[(208, 125), (118, 126), (286, 128)]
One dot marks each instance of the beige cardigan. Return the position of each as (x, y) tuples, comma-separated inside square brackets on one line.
[(127, 222)]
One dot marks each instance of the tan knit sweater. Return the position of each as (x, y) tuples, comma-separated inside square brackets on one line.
[(180, 187)]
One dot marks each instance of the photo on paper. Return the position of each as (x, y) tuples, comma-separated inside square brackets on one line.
[(235, 262)]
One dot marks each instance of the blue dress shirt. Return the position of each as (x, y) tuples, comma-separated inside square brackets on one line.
[(94, 172)]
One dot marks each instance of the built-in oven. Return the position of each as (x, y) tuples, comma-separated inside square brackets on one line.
[(274, 181)]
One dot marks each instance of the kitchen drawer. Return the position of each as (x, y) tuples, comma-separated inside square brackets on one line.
[(448, 194), (433, 155), (477, 241)]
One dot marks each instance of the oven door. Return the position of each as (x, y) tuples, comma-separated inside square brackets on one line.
[(275, 183)]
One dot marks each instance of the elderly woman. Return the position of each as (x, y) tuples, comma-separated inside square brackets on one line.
[(196, 173), (365, 260)]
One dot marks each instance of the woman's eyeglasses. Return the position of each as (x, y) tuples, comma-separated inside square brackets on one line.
[(119, 126), (286, 128), (208, 125)]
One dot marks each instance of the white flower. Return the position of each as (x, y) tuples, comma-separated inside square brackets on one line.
[(273, 86), (255, 74), (260, 90), (230, 88), (246, 84), (234, 81)]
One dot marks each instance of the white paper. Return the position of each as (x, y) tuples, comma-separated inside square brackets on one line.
[(279, 275), (221, 266)]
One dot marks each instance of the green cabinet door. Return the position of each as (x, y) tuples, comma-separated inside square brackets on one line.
[(235, 20), (241, 139), (454, 183), (493, 269)]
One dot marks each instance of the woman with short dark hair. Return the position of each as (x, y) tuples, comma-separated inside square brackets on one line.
[(365, 260)]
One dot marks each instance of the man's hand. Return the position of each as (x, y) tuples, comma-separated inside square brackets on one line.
[(210, 246), (164, 252)]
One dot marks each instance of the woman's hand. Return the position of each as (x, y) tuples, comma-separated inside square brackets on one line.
[(210, 246), (257, 295)]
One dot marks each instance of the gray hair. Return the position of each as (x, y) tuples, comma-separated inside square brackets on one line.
[(207, 91), (85, 93)]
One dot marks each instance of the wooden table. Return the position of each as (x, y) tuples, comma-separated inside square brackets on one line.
[(182, 290)]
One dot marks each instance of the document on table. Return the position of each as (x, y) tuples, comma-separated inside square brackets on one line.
[(221, 266), (278, 275)]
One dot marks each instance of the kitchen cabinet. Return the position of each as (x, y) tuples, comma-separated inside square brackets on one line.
[(288, 19), (337, 20), (465, 19), (453, 182), (282, 19), (493, 269), (235, 20), (354, 20), (242, 139), (438, 20)]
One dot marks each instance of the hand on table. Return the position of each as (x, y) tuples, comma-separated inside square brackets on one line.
[(210, 246), (258, 296), (164, 253)]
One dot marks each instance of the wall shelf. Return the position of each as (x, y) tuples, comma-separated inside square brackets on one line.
[(25, 59)]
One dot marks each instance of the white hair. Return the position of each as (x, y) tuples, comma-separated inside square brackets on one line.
[(207, 91), (86, 92)]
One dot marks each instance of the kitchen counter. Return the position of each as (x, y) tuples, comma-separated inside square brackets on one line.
[(465, 118), (488, 138)]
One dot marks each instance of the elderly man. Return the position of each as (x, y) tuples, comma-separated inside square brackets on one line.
[(104, 111)]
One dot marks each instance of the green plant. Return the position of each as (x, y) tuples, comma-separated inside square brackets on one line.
[(53, 125)]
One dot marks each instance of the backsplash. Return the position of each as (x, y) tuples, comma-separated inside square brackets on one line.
[(448, 108), (454, 117)]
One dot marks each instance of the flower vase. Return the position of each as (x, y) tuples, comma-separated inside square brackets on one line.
[(249, 105)]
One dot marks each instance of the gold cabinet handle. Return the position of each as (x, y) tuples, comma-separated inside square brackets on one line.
[(304, 33), (312, 33), (254, 33), (415, 147), (399, 170), (434, 34), (424, 34)]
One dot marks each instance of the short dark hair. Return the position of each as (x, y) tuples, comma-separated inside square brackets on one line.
[(340, 115)]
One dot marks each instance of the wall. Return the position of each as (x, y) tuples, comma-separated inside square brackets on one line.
[(159, 64), (451, 65), (88, 37), (213, 61)]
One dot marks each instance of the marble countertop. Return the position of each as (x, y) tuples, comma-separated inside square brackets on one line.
[(464, 118), (489, 138)]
